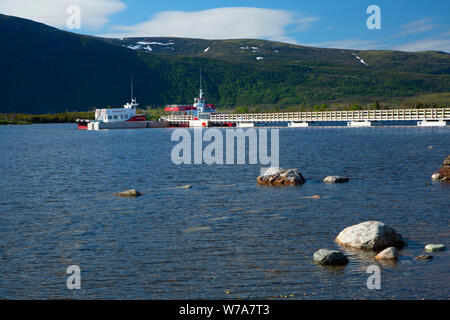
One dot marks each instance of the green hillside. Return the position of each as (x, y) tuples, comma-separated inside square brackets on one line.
[(247, 50), (45, 70)]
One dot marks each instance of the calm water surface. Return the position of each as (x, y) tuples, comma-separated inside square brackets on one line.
[(226, 234)]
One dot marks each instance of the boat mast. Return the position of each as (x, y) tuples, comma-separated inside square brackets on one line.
[(132, 88), (201, 91)]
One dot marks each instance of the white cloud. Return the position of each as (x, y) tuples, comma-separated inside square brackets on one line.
[(414, 27), (440, 44), (94, 13), (219, 23), (347, 44)]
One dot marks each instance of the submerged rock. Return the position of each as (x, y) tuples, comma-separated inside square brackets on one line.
[(328, 257), (280, 176), (370, 235), (129, 193), (434, 247), (335, 179), (388, 254), (424, 257)]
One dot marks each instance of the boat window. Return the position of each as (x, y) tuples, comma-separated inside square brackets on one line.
[(115, 116), (109, 117)]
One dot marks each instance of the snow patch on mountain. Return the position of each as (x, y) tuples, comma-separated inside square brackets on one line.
[(138, 47), (162, 44), (360, 59)]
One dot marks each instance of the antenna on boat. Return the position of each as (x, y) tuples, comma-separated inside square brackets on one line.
[(132, 88), (201, 91)]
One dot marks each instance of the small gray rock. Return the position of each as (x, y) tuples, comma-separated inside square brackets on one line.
[(129, 193), (436, 176), (388, 254), (434, 247), (335, 179), (328, 257)]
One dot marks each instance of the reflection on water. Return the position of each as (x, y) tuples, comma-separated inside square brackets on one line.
[(226, 233)]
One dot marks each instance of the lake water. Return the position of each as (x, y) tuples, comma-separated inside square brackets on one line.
[(226, 237)]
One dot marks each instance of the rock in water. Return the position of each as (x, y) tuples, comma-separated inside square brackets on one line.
[(388, 254), (434, 247), (335, 179), (280, 176), (436, 176), (370, 235), (424, 257), (444, 172), (446, 163), (129, 193), (328, 257)]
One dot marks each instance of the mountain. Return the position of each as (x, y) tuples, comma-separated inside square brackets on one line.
[(48, 70), (248, 51)]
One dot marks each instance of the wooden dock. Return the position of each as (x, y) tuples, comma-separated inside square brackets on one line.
[(425, 117)]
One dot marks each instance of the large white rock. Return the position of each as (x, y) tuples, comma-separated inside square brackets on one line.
[(370, 235)]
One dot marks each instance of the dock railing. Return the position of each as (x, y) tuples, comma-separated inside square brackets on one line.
[(357, 115)]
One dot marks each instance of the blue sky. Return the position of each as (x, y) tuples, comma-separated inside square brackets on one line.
[(405, 25)]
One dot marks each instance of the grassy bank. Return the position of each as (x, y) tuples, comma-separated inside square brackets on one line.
[(22, 118)]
